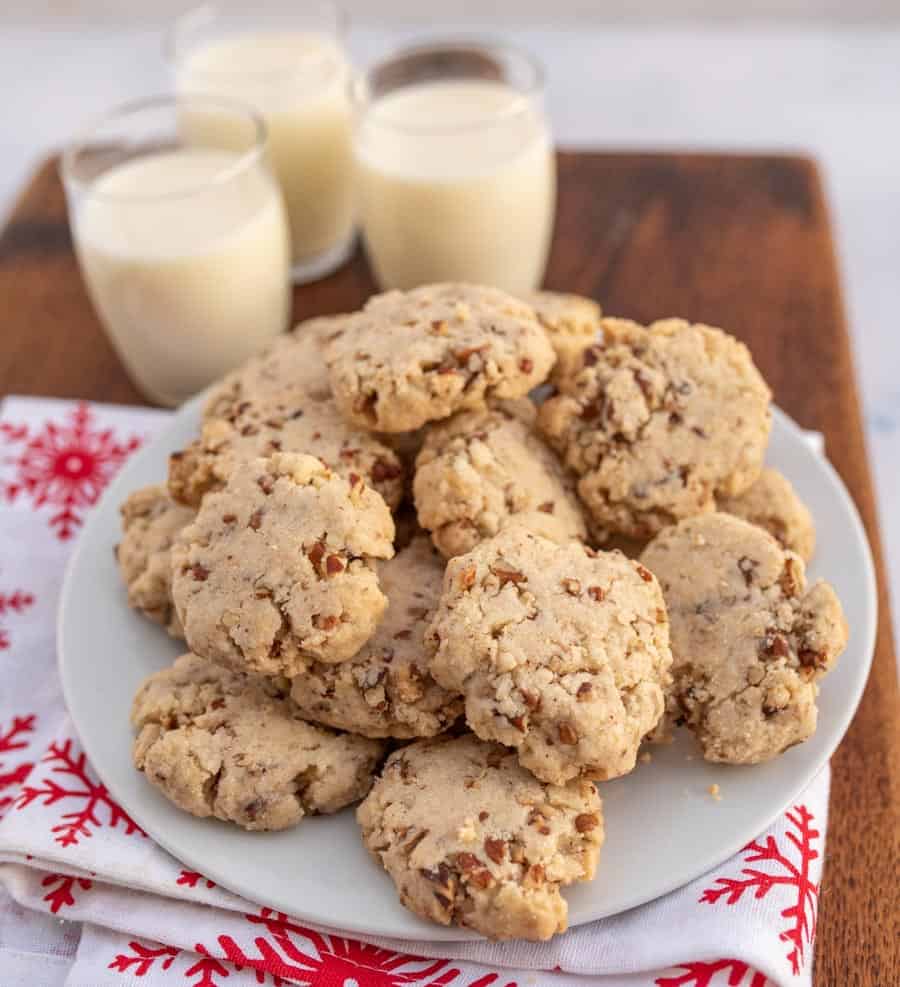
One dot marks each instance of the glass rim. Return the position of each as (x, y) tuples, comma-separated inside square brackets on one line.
[(210, 12), (519, 102), (243, 161)]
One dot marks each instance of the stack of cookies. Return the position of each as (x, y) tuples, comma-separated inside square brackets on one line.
[(402, 580)]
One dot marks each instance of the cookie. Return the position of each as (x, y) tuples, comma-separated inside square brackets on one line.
[(278, 569), (290, 366), (571, 323), (479, 469), (660, 422), (418, 356), (749, 637), (472, 839), (561, 652), (386, 690), (291, 423), (772, 503), (150, 523), (219, 743)]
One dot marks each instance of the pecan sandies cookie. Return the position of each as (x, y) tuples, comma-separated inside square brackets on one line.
[(772, 503), (571, 322), (750, 639), (292, 365), (479, 469), (413, 357), (659, 422), (471, 839), (219, 743), (278, 569), (561, 652), (294, 423), (386, 689), (150, 523)]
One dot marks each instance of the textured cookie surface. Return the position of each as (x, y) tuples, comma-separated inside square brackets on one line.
[(472, 839), (386, 690), (560, 652), (772, 503), (292, 365), (150, 523), (749, 638), (278, 569), (659, 422), (417, 356), (217, 743), (290, 422), (571, 323), (478, 469)]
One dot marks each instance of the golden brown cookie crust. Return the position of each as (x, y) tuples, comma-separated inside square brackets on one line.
[(660, 421), (749, 637), (561, 652), (470, 838), (413, 357)]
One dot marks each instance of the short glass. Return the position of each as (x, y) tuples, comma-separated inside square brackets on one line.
[(290, 65), (183, 246), (456, 170)]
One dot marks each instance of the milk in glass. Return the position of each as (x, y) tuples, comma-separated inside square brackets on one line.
[(185, 256), (298, 82), (457, 181)]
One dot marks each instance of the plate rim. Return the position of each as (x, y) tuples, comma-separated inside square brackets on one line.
[(424, 931)]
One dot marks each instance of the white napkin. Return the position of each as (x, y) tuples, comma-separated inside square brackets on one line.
[(136, 916)]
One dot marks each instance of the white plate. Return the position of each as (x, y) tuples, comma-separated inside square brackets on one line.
[(663, 828)]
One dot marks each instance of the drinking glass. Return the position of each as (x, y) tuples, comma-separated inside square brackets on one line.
[(455, 163), (183, 245), (290, 65)]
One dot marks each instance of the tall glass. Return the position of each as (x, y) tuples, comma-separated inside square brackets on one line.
[(183, 247), (291, 66), (456, 171)]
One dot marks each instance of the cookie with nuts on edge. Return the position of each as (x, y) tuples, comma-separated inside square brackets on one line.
[(561, 652), (278, 569), (290, 423), (750, 638), (150, 523), (571, 323), (772, 503), (219, 743), (472, 839), (386, 689), (480, 469), (659, 422), (417, 356)]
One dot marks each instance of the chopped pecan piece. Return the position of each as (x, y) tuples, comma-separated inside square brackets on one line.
[(508, 576), (597, 593), (199, 572), (567, 734), (495, 849), (586, 821), (333, 565)]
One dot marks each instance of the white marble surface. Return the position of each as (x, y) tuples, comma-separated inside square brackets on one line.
[(833, 91)]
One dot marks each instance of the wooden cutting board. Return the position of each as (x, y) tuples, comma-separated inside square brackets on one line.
[(741, 242)]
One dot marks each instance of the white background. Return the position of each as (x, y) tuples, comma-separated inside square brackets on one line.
[(825, 85)]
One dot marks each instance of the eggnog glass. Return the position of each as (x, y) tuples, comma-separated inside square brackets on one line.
[(456, 172), (183, 247), (291, 67)]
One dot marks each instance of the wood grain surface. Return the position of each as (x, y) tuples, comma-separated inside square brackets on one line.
[(739, 242)]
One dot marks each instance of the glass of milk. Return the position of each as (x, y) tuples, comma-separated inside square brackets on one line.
[(184, 247), (456, 170), (288, 62)]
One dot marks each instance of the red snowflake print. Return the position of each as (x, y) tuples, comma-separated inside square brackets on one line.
[(75, 783), (65, 466), (784, 874), (192, 879), (15, 603), (143, 959), (707, 975), (12, 740), (62, 890), (323, 960)]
